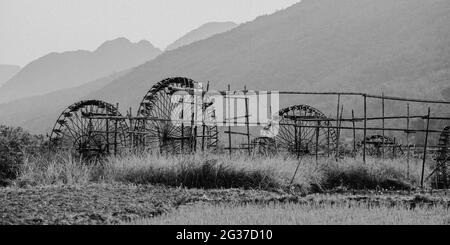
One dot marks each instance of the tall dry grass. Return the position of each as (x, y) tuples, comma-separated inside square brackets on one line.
[(220, 171), (54, 169)]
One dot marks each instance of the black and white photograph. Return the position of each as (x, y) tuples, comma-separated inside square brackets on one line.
[(248, 114)]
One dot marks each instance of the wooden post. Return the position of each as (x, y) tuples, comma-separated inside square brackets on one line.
[(182, 125), (354, 133), (299, 139), (131, 128), (407, 142), (247, 121), (317, 142), (328, 140), (195, 120), (425, 147), (229, 120), (144, 125), (115, 131), (89, 135), (203, 136), (339, 133), (382, 122), (115, 137), (337, 122), (295, 173), (107, 136), (340, 120), (203, 118), (365, 128), (296, 140), (192, 135)]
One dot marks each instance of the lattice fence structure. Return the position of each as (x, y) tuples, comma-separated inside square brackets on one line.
[(180, 116)]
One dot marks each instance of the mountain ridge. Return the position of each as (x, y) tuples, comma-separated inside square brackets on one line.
[(7, 72), (56, 71), (396, 47), (45, 109), (316, 45), (203, 32)]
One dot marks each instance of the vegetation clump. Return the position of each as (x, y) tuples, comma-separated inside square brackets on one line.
[(15, 145)]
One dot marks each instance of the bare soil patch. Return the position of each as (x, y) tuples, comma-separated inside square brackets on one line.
[(106, 203)]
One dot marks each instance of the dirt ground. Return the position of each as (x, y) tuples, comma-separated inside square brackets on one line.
[(115, 204), (106, 204)]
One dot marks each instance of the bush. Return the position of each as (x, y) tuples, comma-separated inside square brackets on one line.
[(193, 171), (15, 144), (353, 174)]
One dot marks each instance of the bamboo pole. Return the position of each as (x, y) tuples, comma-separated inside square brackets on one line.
[(317, 142), (299, 139), (229, 122), (115, 131), (290, 124), (144, 125), (107, 136), (203, 123), (354, 134), (407, 142), (337, 125), (247, 122), (182, 126), (296, 141), (365, 128), (339, 133), (328, 140), (131, 126), (382, 123), (193, 122), (296, 170), (391, 98), (425, 148), (306, 119)]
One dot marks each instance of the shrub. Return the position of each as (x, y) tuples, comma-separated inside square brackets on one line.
[(194, 171), (354, 174), (15, 144)]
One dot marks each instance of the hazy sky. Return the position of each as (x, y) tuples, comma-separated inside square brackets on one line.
[(31, 28)]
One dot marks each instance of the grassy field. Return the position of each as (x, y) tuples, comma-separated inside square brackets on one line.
[(214, 189), (213, 171), (301, 214)]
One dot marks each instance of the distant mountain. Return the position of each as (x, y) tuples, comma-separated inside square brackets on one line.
[(57, 71), (7, 71), (39, 113), (203, 32), (400, 47)]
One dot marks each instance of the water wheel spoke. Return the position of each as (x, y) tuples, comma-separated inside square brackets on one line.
[(300, 130), (86, 135)]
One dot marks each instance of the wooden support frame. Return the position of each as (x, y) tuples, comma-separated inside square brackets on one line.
[(138, 138)]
